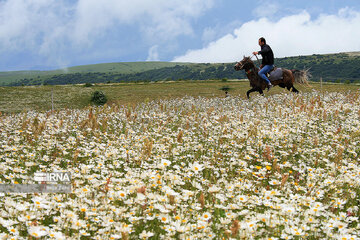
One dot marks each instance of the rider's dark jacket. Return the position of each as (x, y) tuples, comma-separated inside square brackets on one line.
[(267, 55)]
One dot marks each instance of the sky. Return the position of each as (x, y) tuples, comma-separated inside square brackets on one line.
[(53, 34)]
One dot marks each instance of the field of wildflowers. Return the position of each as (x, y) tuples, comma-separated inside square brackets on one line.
[(278, 167)]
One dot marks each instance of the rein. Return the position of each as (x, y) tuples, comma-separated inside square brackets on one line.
[(257, 59)]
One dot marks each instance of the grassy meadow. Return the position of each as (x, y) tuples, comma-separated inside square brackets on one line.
[(180, 161), (18, 99)]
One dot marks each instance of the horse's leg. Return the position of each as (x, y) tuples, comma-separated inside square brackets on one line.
[(282, 85), (250, 91), (261, 91), (294, 90), (288, 81)]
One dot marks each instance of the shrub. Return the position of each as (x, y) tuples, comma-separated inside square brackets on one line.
[(98, 98), (225, 88), (88, 85)]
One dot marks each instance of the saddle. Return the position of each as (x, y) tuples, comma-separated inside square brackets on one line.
[(275, 74), (268, 74)]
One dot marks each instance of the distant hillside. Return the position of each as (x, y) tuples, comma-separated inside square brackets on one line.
[(9, 78), (122, 67), (341, 67)]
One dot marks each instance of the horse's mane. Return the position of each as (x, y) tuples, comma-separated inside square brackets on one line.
[(254, 66)]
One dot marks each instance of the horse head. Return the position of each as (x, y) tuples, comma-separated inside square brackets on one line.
[(245, 63)]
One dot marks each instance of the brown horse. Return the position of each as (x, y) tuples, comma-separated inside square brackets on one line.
[(289, 77)]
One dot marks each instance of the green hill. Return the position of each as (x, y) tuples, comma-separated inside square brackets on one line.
[(11, 77), (122, 67), (340, 67), (8, 78)]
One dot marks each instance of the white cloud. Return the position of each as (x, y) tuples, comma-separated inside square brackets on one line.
[(159, 20), (289, 36), (23, 21), (35, 27), (153, 54), (266, 9), (212, 33), (55, 28)]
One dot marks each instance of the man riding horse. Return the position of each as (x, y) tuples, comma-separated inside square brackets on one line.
[(281, 77), (267, 61)]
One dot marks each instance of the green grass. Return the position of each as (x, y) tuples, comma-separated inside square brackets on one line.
[(18, 99)]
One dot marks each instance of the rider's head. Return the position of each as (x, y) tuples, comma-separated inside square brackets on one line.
[(262, 41)]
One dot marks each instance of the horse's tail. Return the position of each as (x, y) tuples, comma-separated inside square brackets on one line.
[(301, 76)]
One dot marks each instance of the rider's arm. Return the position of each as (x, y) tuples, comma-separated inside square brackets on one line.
[(265, 49)]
